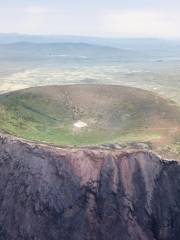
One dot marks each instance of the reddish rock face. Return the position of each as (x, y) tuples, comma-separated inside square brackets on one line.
[(48, 193)]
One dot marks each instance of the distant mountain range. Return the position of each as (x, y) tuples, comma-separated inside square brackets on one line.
[(115, 42), (15, 37), (22, 51), (146, 46)]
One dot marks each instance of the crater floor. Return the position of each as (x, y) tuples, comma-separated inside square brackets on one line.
[(90, 114)]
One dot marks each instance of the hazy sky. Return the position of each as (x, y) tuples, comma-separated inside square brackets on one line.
[(115, 18)]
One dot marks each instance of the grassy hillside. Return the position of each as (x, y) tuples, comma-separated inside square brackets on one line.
[(112, 114)]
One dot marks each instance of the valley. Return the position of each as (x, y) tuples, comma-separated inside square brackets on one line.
[(143, 64)]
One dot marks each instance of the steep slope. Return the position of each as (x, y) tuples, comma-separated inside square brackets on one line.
[(49, 193)]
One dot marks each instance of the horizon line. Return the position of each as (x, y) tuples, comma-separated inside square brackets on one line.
[(89, 36)]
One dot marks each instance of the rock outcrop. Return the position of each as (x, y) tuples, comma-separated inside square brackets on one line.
[(49, 193)]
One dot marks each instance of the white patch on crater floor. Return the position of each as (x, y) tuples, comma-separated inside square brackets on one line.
[(80, 124)]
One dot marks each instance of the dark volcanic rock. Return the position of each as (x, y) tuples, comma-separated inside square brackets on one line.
[(48, 193)]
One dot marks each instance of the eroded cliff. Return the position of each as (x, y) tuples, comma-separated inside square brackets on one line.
[(48, 193)]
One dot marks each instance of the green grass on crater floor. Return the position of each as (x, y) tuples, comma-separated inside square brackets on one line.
[(113, 114)]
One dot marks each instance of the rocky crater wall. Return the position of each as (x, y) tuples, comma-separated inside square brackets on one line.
[(49, 193)]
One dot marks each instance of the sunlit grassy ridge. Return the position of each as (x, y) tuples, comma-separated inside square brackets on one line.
[(112, 114)]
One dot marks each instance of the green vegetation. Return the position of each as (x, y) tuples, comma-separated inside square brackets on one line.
[(112, 114)]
